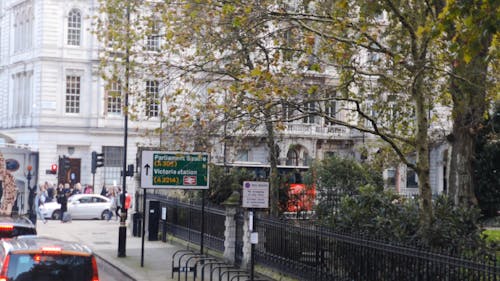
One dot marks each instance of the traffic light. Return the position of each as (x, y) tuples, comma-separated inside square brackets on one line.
[(94, 162), (97, 161), (53, 169), (100, 160)]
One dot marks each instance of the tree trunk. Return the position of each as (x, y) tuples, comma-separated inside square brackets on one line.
[(460, 175), (468, 111), (468, 89), (422, 164)]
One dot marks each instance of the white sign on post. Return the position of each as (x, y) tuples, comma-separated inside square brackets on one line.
[(255, 194)]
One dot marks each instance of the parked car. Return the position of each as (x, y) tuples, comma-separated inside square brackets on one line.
[(15, 226), (80, 206), (31, 258)]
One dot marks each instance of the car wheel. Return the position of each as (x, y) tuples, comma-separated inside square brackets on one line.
[(56, 215), (105, 214)]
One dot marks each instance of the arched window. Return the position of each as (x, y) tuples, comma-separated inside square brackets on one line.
[(292, 158), (74, 27)]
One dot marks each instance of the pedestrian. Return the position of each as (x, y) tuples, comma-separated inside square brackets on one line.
[(104, 191), (113, 204), (63, 200), (77, 189), (66, 188), (119, 206), (50, 193), (40, 198), (88, 189)]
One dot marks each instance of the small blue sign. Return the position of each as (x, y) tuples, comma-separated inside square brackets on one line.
[(12, 165)]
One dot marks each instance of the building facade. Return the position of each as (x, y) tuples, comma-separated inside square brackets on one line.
[(53, 100), (51, 96)]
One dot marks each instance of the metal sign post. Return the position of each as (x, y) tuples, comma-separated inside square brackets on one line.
[(255, 195)]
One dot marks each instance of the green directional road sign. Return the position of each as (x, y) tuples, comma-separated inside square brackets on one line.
[(162, 169)]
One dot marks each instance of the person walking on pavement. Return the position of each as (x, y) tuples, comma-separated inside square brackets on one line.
[(40, 198), (50, 193), (77, 189), (114, 204), (118, 203), (88, 189), (104, 191), (63, 200)]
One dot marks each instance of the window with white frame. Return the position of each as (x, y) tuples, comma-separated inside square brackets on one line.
[(152, 98), (369, 109), (242, 155), (309, 109), (153, 39), (73, 84), (391, 178), (113, 164), (292, 158), (331, 112), (114, 100), (411, 178), (288, 111), (74, 27)]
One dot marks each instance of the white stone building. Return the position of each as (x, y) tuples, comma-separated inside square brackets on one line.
[(51, 96), (53, 100)]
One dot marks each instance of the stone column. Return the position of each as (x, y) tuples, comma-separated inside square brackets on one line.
[(230, 234), (231, 204), (247, 246)]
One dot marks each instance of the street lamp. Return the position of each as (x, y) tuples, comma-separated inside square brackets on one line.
[(122, 231)]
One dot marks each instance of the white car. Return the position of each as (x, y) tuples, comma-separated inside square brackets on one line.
[(80, 206)]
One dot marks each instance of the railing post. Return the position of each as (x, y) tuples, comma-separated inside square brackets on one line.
[(247, 246), (230, 234)]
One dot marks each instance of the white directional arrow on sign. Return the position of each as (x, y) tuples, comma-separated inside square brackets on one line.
[(146, 172)]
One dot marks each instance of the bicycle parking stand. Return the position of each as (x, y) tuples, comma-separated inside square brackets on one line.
[(237, 276), (180, 269), (229, 271), (193, 267), (211, 264), (219, 268), (202, 261)]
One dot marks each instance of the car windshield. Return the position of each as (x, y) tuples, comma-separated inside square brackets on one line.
[(45, 267)]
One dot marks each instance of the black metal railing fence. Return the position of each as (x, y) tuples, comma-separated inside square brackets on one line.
[(316, 253), (184, 221)]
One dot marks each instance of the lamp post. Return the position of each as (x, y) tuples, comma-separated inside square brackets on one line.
[(122, 231)]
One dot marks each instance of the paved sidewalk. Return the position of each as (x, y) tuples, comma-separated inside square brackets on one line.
[(102, 237)]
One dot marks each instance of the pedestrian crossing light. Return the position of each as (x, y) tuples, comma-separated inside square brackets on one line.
[(53, 169)]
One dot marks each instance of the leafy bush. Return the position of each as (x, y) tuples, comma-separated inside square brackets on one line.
[(335, 177), (223, 183), (387, 216)]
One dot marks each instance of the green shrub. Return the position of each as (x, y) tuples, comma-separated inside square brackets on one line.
[(385, 215)]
